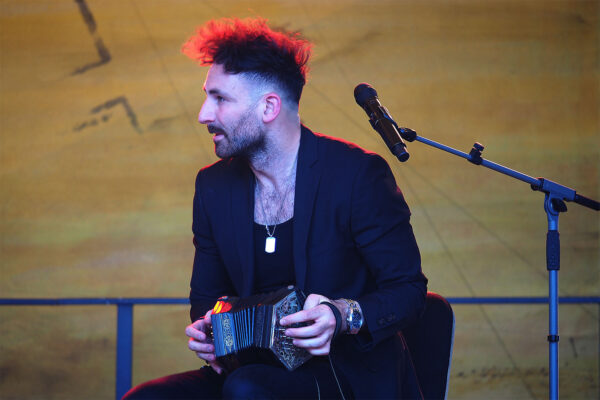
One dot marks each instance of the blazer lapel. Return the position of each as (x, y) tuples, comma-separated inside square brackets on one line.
[(242, 212), (307, 183)]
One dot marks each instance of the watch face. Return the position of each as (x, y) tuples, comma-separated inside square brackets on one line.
[(356, 320), (354, 317)]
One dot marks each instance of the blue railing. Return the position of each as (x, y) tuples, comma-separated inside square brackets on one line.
[(125, 319)]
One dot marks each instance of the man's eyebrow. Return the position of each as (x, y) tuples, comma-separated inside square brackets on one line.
[(214, 92)]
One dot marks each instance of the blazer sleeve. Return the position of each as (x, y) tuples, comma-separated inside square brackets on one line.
[(380, 224), (209, 276)]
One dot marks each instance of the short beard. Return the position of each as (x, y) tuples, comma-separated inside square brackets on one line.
[(246, 139)]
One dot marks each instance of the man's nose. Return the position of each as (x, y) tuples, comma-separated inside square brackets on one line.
[(206, 114)]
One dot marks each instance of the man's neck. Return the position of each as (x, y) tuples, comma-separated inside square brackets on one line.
[(275, 166)]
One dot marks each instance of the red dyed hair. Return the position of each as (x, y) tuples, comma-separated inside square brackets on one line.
[(251, 46)]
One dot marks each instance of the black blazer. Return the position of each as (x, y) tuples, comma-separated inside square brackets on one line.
[(352, 239)]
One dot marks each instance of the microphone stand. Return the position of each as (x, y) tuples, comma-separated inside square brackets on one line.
[(554, 204)]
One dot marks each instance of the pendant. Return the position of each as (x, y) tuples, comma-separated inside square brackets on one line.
[(270, 245)]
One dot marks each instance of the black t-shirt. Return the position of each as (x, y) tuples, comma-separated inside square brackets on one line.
[(273, 270)]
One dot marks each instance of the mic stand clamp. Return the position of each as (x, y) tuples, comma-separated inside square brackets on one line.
[(475, 154)]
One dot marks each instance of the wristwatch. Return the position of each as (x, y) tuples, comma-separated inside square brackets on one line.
[(354, 317)]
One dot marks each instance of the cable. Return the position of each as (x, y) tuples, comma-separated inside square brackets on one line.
[(318, 388), (335, 376)]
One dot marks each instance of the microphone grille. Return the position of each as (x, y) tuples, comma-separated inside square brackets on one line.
[(364, 92)]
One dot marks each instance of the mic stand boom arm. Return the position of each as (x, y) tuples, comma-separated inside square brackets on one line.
[(554, 203), (544, 185)]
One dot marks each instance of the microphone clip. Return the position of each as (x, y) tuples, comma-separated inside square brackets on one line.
[(407, 133)]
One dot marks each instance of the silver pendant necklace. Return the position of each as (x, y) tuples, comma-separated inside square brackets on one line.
[(270, 241)]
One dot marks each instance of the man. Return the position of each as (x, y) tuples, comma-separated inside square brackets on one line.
[(288, 206)]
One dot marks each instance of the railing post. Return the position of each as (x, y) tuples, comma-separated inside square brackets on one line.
[(124, 348)]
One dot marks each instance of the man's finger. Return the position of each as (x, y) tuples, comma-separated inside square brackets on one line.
[(313, 300), (305, 331), (313, 343), (197, 346), (208, 357), (321, 351), (300, 316), (315, 347), (310, 314), (216, 366), (195, 333), (203, 322)]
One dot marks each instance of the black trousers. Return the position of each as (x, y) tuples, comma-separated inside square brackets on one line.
[(313, 380)]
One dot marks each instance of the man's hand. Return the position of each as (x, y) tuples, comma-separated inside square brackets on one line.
[(316, 337), (201, 343)]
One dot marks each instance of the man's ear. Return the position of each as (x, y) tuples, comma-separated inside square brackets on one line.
[(272, 103)]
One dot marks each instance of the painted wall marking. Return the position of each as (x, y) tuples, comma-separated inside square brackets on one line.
[(103, 53)]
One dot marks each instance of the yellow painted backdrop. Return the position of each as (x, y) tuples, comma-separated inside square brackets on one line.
[(99, 148)]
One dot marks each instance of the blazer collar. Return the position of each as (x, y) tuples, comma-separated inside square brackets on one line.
[(308, 176), (242, 212)]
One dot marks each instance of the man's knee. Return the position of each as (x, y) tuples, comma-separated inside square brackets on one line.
[(247, 383), (197, 384), (146, 391)]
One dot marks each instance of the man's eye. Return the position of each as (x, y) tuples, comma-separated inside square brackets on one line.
[(220, 99)]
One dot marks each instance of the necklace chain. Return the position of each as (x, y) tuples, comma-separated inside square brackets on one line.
[(278, 215), (283, 199)]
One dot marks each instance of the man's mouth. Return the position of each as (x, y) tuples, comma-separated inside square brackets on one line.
[(215, 130)]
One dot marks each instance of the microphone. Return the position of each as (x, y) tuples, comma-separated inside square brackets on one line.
[(382, 122)]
